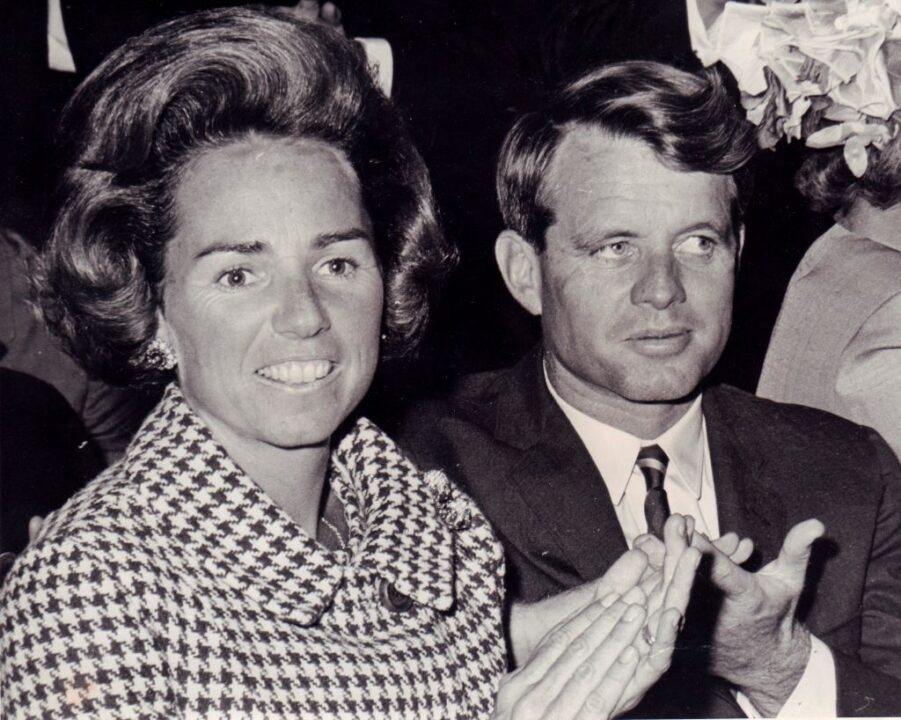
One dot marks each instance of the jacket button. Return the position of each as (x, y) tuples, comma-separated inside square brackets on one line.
[(393, 599)]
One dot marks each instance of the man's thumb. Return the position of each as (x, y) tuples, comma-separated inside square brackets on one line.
[(791, 564)]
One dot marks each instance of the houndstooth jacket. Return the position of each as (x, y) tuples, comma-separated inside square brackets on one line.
[(172, 586)]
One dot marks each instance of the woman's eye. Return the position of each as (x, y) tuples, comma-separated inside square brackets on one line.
[(339, 267), (234, 278)]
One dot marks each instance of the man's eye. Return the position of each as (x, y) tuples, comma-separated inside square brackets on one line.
[(234, 278), (339, 267), (700, 245), (614, 250)]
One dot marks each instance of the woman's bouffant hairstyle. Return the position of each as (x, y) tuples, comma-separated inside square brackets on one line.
[(690, 122), (827, 183), (190, 85)]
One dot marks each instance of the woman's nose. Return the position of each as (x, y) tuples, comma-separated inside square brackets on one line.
[(659, 283), (300, 311)]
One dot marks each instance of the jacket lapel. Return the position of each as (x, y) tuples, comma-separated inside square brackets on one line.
[(748, 503), (556, 477)]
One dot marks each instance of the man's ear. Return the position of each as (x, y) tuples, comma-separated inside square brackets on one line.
[(741, 245), (520, 266)]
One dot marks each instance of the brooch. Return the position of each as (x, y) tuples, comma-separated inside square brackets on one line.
[(453, 507)]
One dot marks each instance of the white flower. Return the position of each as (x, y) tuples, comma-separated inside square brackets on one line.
[(805, 63)]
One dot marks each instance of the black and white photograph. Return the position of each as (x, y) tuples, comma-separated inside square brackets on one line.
[(439, 360)]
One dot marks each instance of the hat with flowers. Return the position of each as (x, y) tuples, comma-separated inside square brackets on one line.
[(825, 71)]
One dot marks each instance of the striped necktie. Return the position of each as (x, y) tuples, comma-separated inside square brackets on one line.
[(652, 462)]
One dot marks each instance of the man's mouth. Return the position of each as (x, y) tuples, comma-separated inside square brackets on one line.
[(296, 372), (668, 341)]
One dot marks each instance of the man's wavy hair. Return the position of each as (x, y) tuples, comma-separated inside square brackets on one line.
[(190, 85), (829, 186), (690, 121)]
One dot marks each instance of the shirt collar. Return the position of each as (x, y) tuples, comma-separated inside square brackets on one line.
[(614, 451)]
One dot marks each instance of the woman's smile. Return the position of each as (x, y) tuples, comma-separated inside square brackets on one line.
[(304, 374)]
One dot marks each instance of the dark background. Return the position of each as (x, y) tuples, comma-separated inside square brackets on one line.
[(463, 72)]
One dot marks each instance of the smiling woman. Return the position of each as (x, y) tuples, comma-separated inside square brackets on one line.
[(274, 291), (241, 215)]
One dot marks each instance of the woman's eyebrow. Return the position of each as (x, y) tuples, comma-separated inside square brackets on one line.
[(326, 239), (248, 248)]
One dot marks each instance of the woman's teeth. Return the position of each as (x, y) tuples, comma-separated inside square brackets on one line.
[(296, 373)]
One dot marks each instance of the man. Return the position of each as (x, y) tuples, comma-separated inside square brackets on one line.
[(623, 201)]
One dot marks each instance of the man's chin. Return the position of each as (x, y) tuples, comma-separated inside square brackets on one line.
[(672, 391)]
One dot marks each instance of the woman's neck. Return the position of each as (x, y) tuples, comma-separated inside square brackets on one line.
[(292, 477)]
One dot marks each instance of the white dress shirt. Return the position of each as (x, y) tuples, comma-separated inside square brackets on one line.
[(689, 477), (690, 491)]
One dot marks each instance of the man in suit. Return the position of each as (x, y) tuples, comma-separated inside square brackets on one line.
[(623, 201)]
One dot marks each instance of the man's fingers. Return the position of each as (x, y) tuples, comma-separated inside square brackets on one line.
[(791, 565), (727, 544), (738, 549), (744, 551), (674, 539), (724, 573)]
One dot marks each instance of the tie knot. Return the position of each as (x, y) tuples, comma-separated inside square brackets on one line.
[(652, 462)]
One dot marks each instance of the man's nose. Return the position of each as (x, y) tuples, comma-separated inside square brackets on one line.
[(659, 283), (299, 310)]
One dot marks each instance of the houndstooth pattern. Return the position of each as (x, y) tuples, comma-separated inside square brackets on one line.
[(172, 586)]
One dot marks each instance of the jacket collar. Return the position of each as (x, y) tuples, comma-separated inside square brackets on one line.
[(748, 500), (555, 474), (221, 520), (394, 519)]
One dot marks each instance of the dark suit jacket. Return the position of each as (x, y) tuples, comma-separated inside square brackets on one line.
[(505, 440)]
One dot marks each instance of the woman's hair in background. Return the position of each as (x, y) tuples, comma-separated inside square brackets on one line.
[(827, 183), (194, 84), (689, 120)]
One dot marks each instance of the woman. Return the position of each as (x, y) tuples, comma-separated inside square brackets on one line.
[(837, 342), (826, 73), (241, 213)]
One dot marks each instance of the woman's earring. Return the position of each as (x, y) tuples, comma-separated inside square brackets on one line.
[(158, 356)]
